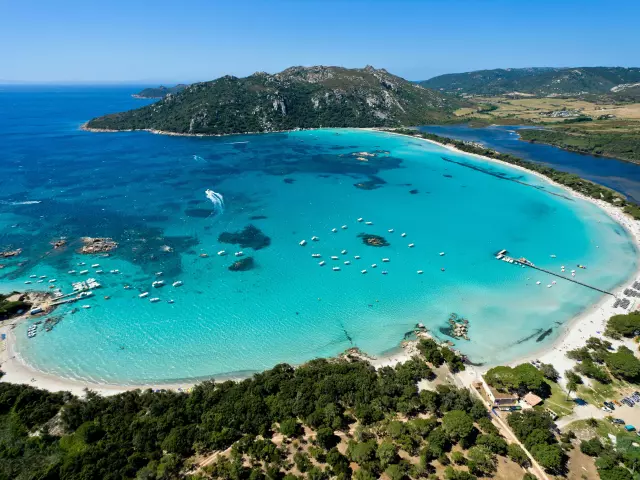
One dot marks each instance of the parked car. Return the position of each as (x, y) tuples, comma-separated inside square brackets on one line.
[(630, 428), (617, 402), (618, 421), (579, 401), (610, 405), (605, 409)]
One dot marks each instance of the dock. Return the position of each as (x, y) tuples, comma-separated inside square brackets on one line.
[(503, 256)]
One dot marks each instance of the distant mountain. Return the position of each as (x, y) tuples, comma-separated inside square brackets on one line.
[(159, 92), (298, 97), (536, 81)]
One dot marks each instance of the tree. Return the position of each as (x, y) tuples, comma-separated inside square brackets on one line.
[(395, 472), (549, 372), (482, 461), (290, 428), (387, 453), (623, 325), (518, 455), (458, 458), (624, 364), (451, 473), (550, 457), (494, 443), (529, 476), (457, 424), (592, 447), (315, 473), (302, 461), (326, 438), (571, 387)]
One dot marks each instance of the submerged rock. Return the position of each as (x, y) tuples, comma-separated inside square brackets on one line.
[(249, 237), (373, 240), (371, 184), (97, 245), (242, 265), (414, 191)]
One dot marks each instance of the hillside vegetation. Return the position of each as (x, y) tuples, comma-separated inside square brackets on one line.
[(537, 81), (299, 97), (159, 92)]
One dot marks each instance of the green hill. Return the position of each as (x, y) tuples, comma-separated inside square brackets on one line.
[(536, 81), (298, 97), (159, 92)]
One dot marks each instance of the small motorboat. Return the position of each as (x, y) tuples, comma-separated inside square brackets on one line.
[(43, 276), (373, 265), (52, 280), (343, 252), (335, 269), (538, 283), (363, 271), (86, 306), (549, 286), (384, 272), (347, 262), (99, 271), (442, 254), (28, 282), (302, 243), (239, 254), (143, 295), (390, 230), (419, 272), (95, 265), (158, 284), (177, 283), (314, 239), (333, 257), (159, 274), (71, 272), (316, 255), (357, 257), (33, 276), (322, 263), (552, 256), (82, 272), (360, 219), (154, 300), (403, 234), (40, 281), (368, 223), (127, 287), (385, 260), (222, 253), (344, 227), (411, 245), (81, 264), (334, 230)]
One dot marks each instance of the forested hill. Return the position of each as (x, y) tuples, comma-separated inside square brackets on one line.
[(298, 97), (536, 81), (159, 92)]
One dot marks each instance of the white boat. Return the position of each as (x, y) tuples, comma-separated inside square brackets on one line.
[(222, 253), (373, 265), (343, 252), (442, 254), (158, 283), (159, 274), (419, 272), (43, 276), (114, 271), (95, 265), (154, 299), (573, 274), (334, 230), (82, 272), (347, 262), (363, 271), (314, 239), (344, 227), (81, 264), (316, 255), (411, 245), (403, 234), (333, 257), (368, 223), (553, 282), (390, 230), (40, 281), (33, 276), (177, 283), (384, 272), (86, 306), (322, 263), (99, 271), (549, 286), (385, 259), (170, 301), (143, 295), (303, 243), (52, 280), (71, 272), (552, 256), (360, 219), (239, 254), (335, 269), (28, 282), (357, 257)]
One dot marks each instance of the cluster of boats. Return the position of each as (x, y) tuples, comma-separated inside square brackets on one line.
[(158, 284), (31, 331)]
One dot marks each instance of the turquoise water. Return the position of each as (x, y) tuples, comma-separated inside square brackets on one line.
[(148, 191)]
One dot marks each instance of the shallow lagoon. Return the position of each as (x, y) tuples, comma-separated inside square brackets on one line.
[(148, 191)]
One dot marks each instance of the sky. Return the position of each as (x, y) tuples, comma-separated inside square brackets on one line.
[(140, 41)]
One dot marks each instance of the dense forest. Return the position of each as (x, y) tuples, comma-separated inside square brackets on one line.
[(537, 81), (570, 180), (298, 97), (621, 144), (159, 92), (284, 423)]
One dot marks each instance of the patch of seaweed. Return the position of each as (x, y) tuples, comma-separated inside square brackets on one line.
[(371, 184), (198, 212), (373, 240), (249, 237), (289, 181), (414, 191), (544, 335), (257, 217)]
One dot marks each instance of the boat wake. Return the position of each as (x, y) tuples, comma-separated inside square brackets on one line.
[(217, 200), (198, 158), (236, 143), (27, 202)]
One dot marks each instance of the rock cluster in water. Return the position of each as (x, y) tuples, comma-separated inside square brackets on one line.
[(10, 253), (249, 237), (97, 245), (242, 265), (373, 240), (459, 326)]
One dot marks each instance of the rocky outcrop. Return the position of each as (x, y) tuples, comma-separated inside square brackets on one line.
[(97, 245)]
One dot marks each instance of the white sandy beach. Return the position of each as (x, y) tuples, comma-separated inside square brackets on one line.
[(589, 323)]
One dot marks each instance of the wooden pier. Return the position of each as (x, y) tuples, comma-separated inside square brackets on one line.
[(502, 255)]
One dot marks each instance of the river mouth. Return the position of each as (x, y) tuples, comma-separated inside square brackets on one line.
[(148, 192)]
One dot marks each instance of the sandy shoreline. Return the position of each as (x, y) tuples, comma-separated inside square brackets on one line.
[(591, 322)]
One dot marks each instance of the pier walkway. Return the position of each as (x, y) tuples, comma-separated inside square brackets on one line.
[(502, 255)]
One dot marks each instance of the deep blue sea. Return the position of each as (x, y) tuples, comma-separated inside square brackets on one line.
[(148, 192)]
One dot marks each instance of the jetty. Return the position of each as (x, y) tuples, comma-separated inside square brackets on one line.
[(503, 256)]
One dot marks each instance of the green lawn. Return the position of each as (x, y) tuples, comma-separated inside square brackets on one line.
[(558, 401)]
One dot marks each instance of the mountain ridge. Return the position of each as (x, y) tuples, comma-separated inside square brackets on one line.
[(297, 97)]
